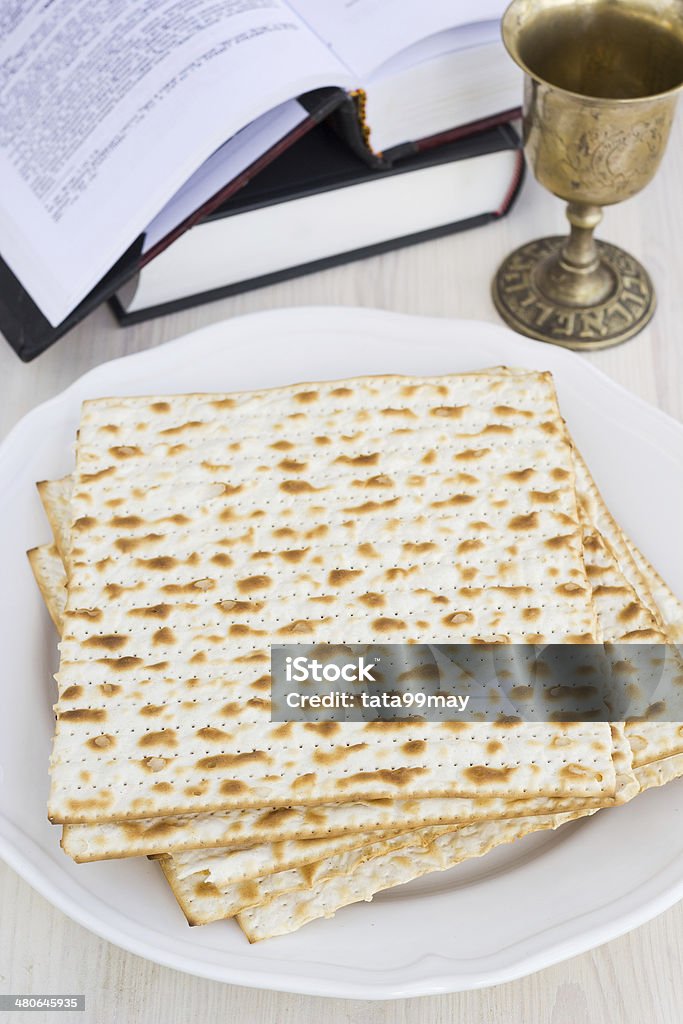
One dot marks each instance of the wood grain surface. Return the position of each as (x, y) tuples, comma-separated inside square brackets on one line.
[(636, 979)]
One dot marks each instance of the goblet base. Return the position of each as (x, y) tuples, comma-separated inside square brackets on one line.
[(538, 294)]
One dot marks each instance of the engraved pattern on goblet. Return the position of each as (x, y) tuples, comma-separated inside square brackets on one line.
[(608, 155), (519, 295), (600, 89)]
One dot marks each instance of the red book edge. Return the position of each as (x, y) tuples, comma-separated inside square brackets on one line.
[(471, 128)]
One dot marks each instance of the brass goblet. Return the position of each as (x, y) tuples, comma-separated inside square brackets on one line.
[(600, 89)]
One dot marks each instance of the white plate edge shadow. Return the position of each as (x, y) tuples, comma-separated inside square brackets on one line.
[(659, 892), (639, 907)]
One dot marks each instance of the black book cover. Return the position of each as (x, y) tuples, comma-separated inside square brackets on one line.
[(321, 162)]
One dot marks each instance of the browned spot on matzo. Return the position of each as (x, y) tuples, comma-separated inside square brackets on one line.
[(381, 480), (152, 611), (221, 559), (251, 583), (393, 776), (451, 412), (84, 523), (630, 612), (372, 506), (484, 773), (469, 545), (127, 521), (152, 710), (125, 664), (337, 577), (213, 735), (161, 563), (471, 454), (218, 761), (181, 428), (108, 641), (88, 614), (338, 754), (72, 692), (458, 618), (163, 636), (414, 747), (276, 816), (109, 471), (299, 487), (398, 412), (418, 548), (544, 497), (294, 555), (386, 625), (164, 737), (322, 728), (524, 522), (232, 787), (455, 499), (128, 544), (554, 543), (83, 715), (305, 626), (125, 451), (359, 460)]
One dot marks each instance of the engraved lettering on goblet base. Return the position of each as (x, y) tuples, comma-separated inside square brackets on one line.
[(624, 308)]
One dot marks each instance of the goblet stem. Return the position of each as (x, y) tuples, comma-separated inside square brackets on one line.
[(580, 252)]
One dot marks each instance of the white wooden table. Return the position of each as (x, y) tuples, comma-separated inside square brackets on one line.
[(636, 978)]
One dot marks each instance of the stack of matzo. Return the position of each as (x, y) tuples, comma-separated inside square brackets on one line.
[(199, 529)]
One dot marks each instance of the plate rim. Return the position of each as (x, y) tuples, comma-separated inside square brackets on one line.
[(335, 983), (406, 980)]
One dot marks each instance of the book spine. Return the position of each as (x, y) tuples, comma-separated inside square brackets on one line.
[(515, 185), (349, 122)]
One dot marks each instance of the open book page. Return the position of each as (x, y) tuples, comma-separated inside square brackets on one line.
[(366, 33), (223, 166), (455, 88), (464, 37), (106, 109)]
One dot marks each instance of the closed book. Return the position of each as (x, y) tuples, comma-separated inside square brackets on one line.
[(319, 205)]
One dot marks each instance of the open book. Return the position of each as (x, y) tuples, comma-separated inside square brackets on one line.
[(119, 120)]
